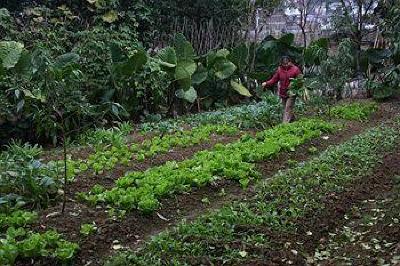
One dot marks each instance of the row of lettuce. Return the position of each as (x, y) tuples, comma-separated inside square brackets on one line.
[(143, 190), (243, 232), (112, 148), (260, 115)]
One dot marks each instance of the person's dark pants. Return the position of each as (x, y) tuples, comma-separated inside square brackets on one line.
[(288, 109)]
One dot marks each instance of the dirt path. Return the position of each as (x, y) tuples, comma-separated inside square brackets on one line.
[(134, 228)]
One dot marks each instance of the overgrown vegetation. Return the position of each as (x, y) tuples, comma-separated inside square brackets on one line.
[(24, 180)]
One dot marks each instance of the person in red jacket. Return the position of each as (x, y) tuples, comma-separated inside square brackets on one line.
[(286, 72)]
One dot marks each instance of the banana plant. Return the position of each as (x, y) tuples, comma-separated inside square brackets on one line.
[(124, 70), (216, 65), (179, 62)]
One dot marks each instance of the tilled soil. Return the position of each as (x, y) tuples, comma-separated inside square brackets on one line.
[(135, 227), (369, 234)]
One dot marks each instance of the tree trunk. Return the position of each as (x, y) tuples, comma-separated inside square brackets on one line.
[(304, 33), (65, 167)]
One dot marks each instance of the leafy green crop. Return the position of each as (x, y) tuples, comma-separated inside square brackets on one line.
[(48, 244), (115, 136), (24, 179), (257, 115), (88, 229), (107, 157), (16, 241), (143, 190), (17, 218), (354, 111)]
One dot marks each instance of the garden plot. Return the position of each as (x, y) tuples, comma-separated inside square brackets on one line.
[(107, 154), (258, 230), (131, 228)]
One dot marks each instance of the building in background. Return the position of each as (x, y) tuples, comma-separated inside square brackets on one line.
[(287, 19)]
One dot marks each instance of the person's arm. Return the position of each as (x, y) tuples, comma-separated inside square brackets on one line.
[(272, 81), (298, 71)]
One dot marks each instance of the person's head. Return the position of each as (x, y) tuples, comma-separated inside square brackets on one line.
[(285, 61)]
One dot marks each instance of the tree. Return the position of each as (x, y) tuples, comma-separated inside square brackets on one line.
[(49, 90), (304, 9), (356, 19), (336, 70)]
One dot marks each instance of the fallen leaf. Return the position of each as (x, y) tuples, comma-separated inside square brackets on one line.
[(52, 214), (162, 217), (243, 253)]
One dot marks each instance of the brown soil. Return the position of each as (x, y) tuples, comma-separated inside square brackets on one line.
[(135, 227), (76, 153), (325, 220)]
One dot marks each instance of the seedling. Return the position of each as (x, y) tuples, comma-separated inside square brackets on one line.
[(88, 229)]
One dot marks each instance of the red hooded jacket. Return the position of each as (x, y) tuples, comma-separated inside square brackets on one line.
[(283, 75)]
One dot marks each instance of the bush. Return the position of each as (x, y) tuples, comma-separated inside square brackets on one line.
[(24, 180)]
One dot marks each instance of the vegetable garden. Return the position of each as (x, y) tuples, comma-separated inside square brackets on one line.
[(125, 153)]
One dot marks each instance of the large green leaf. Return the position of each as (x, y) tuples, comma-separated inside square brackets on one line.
[(189, 95), (200, 75), (240, 56), (134, 64), (168, 57), (287, 39), (271, 49), (117, 54), (224, 69), (316, 52), (24, 65), (139, 59), (322, 42), (184, 49), (222, 53), (66, 60), (185, 84), (375, 57), (10, 53), (211, 57), (240, 88), (185, 70)]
